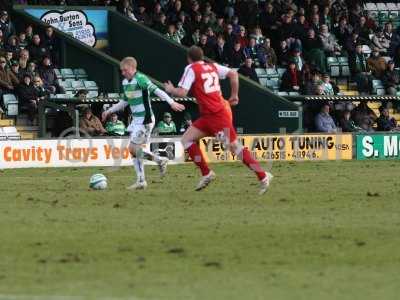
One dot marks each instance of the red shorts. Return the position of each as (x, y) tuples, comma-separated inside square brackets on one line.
[(218, 125)]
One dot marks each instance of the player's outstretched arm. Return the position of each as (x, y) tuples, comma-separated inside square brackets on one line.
[(164, 96), (175, 91), (234, 81), (117, 107)]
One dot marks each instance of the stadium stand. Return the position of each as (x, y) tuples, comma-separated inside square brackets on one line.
[(279, 30)]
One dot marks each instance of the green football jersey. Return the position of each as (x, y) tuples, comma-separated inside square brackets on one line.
[(137, 93)]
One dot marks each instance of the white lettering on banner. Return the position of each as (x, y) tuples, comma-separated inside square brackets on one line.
[(391, 146), (79, 152), (72, 22), (288, 114), (368, 145)]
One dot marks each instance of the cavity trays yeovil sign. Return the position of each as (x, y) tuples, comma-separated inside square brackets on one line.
[(72, 22)]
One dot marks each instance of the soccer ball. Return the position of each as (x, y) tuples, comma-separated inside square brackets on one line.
[(98, 182)]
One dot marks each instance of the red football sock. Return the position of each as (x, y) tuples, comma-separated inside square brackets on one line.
[(251, 163), (197, 156)]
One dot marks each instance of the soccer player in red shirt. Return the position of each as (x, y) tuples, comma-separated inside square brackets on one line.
[(215, 118)]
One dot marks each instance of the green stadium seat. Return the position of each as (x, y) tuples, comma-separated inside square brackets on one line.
[(283, 93), (80, 74), (90, 85), (345, 71), (281, 71), (272, 73), (67, 74), (273, 84), (77, 84), (333, 66), (377, 87), (92, 94), (67, 85), (11, 105), (58, 73), (263, 81), (294, 94), (261, 72)]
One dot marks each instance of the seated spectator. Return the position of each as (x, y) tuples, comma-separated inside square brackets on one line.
[(297, 58), (172, 34), (23, 60), (310, 87), (343, 31), (329, 43), (142, 16), (127, 10), (28, 97), (6, 26), (166, 126), (90, 124), (291, 79), (48, 75), (16, 72), (352, 42), (12, 46), (391, 79), (207, 49), (248, 70), (36, 50), (8, 81), (161, 24), (251, 51), (242, 37), (211, 38), (22, 42), (115, 126), (329, 87), (324, 122), (219, 26), (2, 42), (364, 116), (9, 58), (360, 71), (283, 53), (312, 47), (385, 122), (380, 42), (41, 92), (376, 64), (50, 43), (258, 36), (187, 122), (221, 53), (266, 55), (363, 30), (181, 32), (29, 34), (347, 124), (237, 56)]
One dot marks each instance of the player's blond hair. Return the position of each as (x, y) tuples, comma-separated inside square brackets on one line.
[(129, 61)]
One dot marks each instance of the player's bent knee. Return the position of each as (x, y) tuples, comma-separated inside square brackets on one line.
[(235, 147)]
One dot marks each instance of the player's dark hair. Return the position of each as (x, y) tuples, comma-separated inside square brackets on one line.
[(195, 53)]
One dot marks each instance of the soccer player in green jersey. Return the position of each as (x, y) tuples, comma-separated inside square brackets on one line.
[(137, 89)]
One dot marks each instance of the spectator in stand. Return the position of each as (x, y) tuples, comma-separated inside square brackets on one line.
[(329, 87), (161, 24), (312, 46), (352, 43), (31, 70), (23, 60), (205, 46), (301, 27), (114, 126), (326, 17), (50, 42), (28, 97), (266, 55), (324, 122), (268, 21), (219, 26), (41, 92), (2, 43), (221, 54), (363, 116), (172, 34), (90, 124), (385, 122), (363, 30), (196, 22), (181, 32), (297, 58), (127, 10), (9, 58), (248, 70), (173, 14), (237, 57), (166, 126), (242, 37), (310, 87), (343, 31), (8, 81), (376, 64), (339, 8), (13, 46), (347, 124), (291, 79), (211, 38), (15, 70), (6, 26), (29, 34), (187, 122), (258, 36), (283, 53), (36, 49), (380, 42), (329, 43), (48, 74), (142, 16), (391, 79), (251, 51), (359, 70), (230, 37)]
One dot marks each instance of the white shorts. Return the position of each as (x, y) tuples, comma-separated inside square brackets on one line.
[(140, 134)]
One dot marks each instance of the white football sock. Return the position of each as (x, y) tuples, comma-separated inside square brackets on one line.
[(139, 169)]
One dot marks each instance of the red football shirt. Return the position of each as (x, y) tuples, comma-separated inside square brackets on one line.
[(203, 81)]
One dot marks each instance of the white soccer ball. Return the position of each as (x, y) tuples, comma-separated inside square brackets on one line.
[(98, 182)]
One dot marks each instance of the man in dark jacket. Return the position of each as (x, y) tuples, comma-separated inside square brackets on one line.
[(37, 50), (28, 97), (291, 79), (48, 75), (248, 71), (8, 81), (359, 70)]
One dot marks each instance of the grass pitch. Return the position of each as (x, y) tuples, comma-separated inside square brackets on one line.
[(325, 230)]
